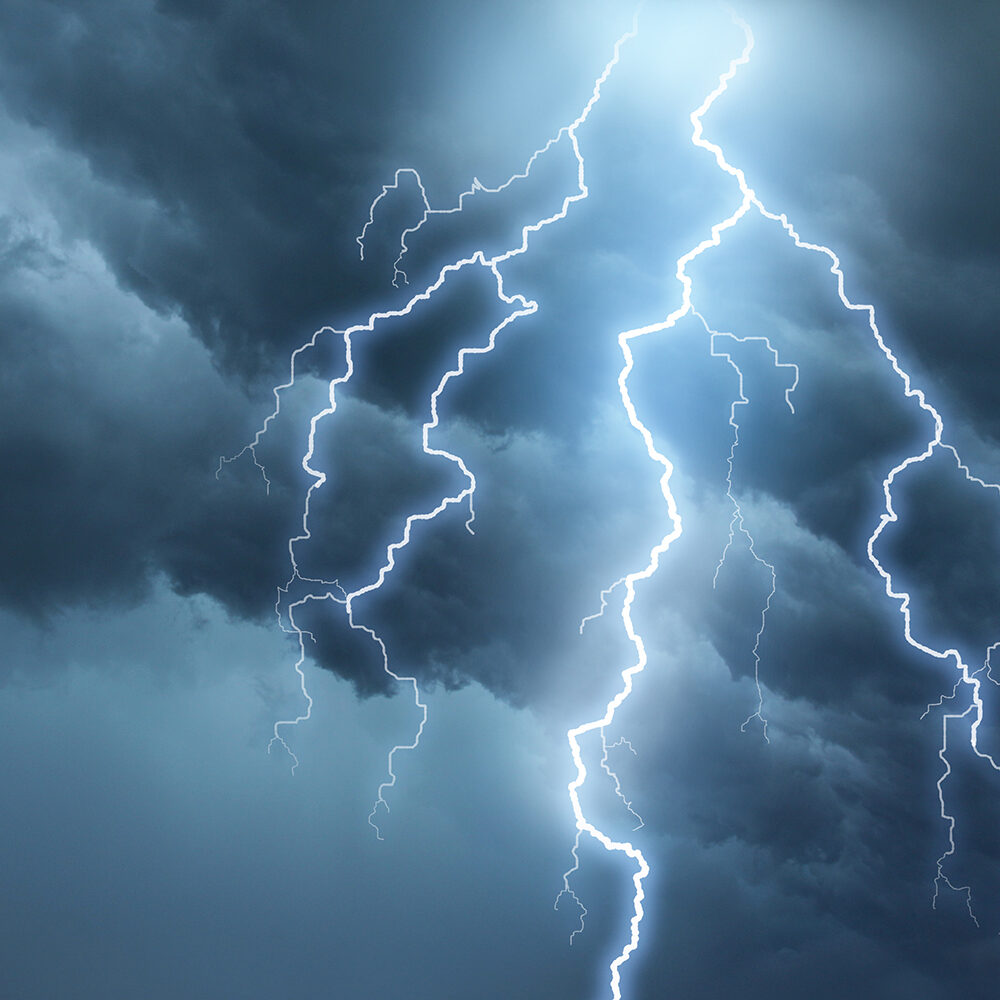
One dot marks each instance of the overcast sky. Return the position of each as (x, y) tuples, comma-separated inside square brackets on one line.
[(181, 188)]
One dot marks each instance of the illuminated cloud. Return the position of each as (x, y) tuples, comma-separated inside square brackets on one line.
[(182, 187)]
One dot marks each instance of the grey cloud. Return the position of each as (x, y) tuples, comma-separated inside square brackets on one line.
[(183, 189)]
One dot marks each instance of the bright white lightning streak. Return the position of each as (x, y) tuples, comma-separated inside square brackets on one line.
[(736, 521), (524, 307), (606, 767), (567, 890), (936, 441), (573, 736), (605, 594), (468, 492)]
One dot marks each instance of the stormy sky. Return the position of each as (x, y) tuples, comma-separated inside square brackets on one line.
[(181, 187)]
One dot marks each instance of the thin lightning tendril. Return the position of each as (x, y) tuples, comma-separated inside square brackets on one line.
[(736, 521), (972, 680), (606, 767)]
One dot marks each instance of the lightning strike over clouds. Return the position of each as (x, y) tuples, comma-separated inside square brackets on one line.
[(601, 724), (426, 491), (889, 516), (520, 306)]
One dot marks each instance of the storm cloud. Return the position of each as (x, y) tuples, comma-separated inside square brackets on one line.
[(181, 188)]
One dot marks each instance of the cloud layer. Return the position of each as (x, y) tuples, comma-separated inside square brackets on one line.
[(182, 187)]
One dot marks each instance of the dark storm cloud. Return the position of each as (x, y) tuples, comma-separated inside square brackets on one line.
[(198, 204), (214, 161), (114, 418)]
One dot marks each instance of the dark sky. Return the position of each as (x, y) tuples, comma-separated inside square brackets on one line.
[(181, 186)]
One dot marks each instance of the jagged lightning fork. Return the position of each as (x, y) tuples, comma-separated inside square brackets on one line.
[(300, 637), (476, 186), (736, 521), (941, 877), (889, 516), (467, 493), (380, 800), (624, 340), (520, 307)]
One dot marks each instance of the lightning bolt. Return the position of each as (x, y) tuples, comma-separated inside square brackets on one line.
[(976, 705), (519, 306), (630, 581), (736, 521)]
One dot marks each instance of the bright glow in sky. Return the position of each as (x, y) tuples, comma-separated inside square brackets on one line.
[(454, 483)]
